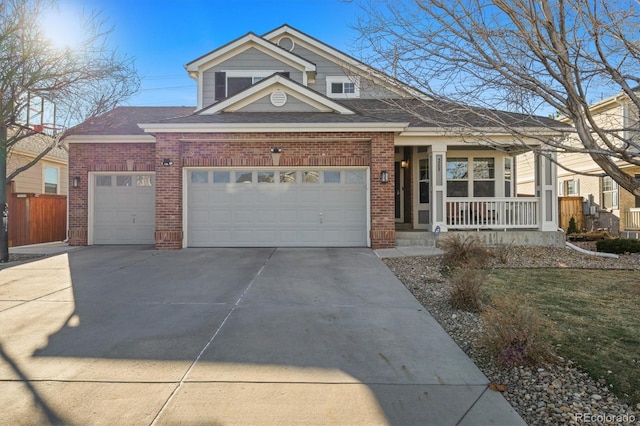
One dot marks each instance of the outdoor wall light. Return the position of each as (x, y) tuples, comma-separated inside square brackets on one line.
[(76, 182), (167, 162), (404, 164), (384, 176), (275, 155)]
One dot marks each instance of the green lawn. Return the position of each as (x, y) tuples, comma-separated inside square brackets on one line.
[(597, 317)]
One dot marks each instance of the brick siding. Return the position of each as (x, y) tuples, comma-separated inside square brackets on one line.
[(227, 150)]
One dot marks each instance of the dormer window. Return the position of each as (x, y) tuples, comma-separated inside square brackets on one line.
[(343, 87)]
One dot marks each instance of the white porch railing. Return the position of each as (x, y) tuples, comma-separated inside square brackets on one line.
[(493, 213), (632, 221)]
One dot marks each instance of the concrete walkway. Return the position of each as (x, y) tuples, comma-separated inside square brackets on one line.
[(131, 335), (411, 251)]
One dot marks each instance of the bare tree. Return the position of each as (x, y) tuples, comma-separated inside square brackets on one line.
[(80, 82), (533, 57)]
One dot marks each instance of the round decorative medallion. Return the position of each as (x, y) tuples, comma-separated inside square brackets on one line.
[(278, 98)]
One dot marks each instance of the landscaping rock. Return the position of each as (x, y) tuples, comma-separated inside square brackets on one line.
[(558, 393)]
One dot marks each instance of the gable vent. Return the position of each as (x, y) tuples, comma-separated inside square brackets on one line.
[(278, 98), (286, 43)]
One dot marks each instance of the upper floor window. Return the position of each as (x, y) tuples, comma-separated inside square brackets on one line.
[(631, 122), (229, 83), (343, 87), (50, 180)]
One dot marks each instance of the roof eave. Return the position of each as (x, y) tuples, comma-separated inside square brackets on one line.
[(270, 127), (482, 131), (195, 65), (80, 138)]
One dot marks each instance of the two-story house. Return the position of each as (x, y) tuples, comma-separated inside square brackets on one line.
[(294, 143)]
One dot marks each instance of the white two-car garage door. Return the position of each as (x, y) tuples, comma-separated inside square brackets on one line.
[(123, 208), (276, 207)]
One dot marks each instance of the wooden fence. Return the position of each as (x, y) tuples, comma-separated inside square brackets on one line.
[(36, 218), (569, 207)]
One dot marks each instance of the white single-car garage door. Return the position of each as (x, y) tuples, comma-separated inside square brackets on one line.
[(123, 208), (276, 207)]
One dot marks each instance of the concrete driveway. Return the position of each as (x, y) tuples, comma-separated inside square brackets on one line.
[(131, 335)]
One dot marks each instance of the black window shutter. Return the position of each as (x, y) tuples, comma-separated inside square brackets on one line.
[(220, 85), (285, 73)]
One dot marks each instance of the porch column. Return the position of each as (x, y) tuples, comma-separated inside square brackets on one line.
[(546, 188), (438, 181)]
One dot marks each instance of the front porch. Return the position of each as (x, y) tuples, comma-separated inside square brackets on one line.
[(442, 189), (632, 219)]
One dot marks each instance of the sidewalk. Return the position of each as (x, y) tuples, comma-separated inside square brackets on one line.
[(47, 249), (408, 251)]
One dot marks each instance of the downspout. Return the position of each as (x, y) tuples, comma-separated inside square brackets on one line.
[(591, 253)]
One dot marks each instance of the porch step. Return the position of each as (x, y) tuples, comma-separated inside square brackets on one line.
[(415, 238)]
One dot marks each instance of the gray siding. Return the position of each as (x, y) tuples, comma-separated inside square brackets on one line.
[(250, 59), (325, 67), (292, 105), (253, 59)]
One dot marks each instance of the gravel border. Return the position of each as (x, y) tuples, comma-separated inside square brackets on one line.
[(558, 393)]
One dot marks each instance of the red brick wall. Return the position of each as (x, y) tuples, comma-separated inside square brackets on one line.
[(383, 234), (245, 149), (85, 158), (168, 192)]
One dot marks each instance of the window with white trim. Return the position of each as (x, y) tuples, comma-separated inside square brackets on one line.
[(484, 175), (572, 188), (457, 177), (631, 122), (51, 183), (609, 193), (229, 83), (343, 87), (508, 164)]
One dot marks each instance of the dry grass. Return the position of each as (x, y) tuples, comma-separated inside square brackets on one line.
[(596, 314), (515, 333), (463, 251), (465, 289)]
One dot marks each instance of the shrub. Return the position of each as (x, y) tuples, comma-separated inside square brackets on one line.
[(461, 250), (573, 228), (465, 291), (503, 252), (618, 245), (515, 333)]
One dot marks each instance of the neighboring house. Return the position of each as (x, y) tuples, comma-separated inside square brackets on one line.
[(37, 196), (47, 176), (294, 143), (606, 205)]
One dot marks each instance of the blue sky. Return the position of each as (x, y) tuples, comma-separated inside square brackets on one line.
[(164, 35)]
